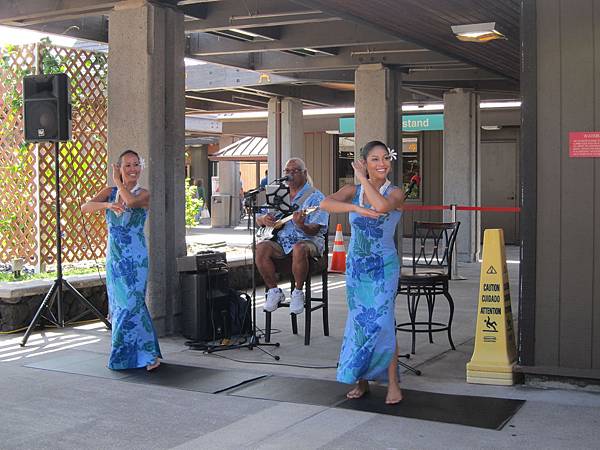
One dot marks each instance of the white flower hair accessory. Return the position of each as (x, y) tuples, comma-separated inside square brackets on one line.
[(142, 163), (392, 153)]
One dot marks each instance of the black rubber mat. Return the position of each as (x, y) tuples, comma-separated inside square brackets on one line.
[(294, 390), (482, 412), (192, 378), (176, 376)]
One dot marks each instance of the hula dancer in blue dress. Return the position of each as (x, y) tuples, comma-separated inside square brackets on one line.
[(372, 270), (134, 342)]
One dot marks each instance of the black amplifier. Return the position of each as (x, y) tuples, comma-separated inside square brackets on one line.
[(202, 262)]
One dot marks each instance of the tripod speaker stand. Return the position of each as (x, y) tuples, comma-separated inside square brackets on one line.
[(55, 295), (47, 118)]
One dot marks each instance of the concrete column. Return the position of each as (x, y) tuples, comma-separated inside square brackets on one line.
[(376, 106), (146, 109), (230, 184), (378, 117), (200, 164), (461, 184), (289, 137)]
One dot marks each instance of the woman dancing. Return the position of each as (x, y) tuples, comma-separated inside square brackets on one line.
[(134, 342), (372, 270)]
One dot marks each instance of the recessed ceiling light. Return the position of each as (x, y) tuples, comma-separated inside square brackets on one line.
[(477, 32)]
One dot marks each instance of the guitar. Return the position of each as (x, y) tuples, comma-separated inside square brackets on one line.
[(265, 233)]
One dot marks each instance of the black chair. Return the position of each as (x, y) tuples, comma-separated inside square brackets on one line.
[(317, 266), (432, 245)]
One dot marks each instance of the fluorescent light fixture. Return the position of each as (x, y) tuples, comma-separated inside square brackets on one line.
[(245, 32), (244, 115), (495, 105), (327, 111), (477, 32), (491, 127), (350, 110), (193, 62), (428, 107)]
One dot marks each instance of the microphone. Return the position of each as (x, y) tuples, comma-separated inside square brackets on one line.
[(281, 180), (253, 192)]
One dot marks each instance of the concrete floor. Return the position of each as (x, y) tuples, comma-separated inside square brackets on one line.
[(48, 409)]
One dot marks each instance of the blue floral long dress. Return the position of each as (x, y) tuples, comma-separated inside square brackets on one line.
[(134, 342), (372, 271)]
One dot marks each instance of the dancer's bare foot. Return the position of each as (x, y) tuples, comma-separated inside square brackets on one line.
[(394, 394), (362, 387), (154, 365)]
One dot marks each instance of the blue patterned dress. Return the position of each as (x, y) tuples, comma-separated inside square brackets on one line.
[(134, 342), (372, 271)]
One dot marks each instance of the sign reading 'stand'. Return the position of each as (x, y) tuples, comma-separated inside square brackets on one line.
[(423, 122), (410, 122)]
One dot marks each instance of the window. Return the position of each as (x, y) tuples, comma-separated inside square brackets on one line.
[(411, 164), (345, 156)]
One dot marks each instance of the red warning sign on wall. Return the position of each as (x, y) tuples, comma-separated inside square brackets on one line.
[(584, 144)]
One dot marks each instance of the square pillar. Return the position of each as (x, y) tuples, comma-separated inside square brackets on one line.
[(378, 116), (377, 109), (146, 110), (461, 172), (230, 183), (285, 132)]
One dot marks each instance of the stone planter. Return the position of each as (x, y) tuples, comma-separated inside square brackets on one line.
[(20, 300)]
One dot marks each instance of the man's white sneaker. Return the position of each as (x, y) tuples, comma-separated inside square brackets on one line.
[(274, 297), (297, 302)]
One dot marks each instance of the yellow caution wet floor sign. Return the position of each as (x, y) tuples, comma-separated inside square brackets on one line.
[(495, 352)]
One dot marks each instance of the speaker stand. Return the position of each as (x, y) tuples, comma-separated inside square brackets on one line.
[(55, 295)]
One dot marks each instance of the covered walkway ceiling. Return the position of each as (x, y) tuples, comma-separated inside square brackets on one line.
[(309, 49)]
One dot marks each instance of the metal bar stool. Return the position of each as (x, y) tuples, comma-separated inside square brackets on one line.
[(433, 245)]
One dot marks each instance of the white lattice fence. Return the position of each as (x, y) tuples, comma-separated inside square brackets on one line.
[(18, 186), (83, 164)]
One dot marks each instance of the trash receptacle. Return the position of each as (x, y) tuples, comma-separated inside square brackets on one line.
[(220, 212)]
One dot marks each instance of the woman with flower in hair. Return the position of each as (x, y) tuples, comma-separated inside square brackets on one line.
[(134, 342), (372, 270)]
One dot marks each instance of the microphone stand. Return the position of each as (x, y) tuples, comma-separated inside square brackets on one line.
[(254, 340)]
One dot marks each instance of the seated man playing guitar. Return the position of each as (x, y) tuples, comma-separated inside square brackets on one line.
[(301, 238)]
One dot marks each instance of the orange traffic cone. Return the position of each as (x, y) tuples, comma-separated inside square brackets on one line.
[(338, 258)]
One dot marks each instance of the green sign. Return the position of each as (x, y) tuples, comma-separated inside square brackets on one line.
[(423, 122), (346, 125), (410, 122)]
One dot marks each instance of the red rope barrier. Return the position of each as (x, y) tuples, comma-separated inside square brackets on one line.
[(488, 208), (411, 207)]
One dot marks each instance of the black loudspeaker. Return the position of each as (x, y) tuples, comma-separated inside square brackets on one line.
[(206, 305), (47, 108)]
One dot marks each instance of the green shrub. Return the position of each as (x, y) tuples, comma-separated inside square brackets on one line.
[(192, 203)]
